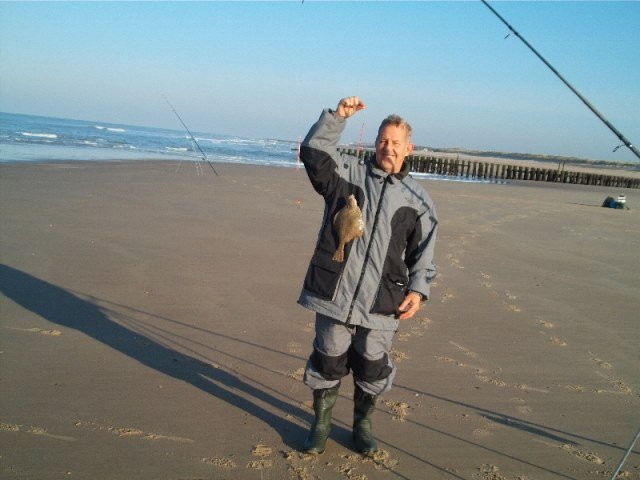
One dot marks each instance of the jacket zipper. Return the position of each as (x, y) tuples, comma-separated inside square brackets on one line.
[(366, 255)]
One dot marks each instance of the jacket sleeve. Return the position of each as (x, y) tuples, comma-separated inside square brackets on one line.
[(420, 251), (318, 152)]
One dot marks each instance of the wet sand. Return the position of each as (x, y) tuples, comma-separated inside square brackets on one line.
[(149, 329)]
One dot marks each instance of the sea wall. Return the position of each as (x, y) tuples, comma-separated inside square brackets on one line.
[(473, 169)]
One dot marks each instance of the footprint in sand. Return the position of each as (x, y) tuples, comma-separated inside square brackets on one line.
[(492, 380), (297, 375), (489, 472), (380, 458), (130, 432), (261, 451), (522, 407), (294, 347), (576, 388), (300, 464), (485, 283), (620, 385), (588, 456), (601, 363), (48, 333), (397, 355), (446, 296), (9, 427), (260, 464), (513, 308), (417, 331), (454, 261), (399, 410), (449, 360), (424, 322), (221, 462), (481, 433), (545, 324), (403, 337), (557, 341)]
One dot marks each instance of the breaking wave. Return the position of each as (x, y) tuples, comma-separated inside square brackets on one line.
[(39, 135)]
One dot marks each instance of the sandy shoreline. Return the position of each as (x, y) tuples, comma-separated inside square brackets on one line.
[(149, 330)]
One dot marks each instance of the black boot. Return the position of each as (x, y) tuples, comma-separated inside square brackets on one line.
[(363, 406), (323, 401)]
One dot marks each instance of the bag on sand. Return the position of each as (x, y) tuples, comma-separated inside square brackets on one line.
[(620, 203)]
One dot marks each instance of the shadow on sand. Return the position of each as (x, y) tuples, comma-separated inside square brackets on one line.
[(64, 308), (102, 320)]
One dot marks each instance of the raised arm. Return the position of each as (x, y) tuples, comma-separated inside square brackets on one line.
[(319, 149)]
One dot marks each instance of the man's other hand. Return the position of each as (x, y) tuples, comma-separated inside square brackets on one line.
[(409, 306)]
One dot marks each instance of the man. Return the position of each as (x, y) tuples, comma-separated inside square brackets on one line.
[(385, 273)]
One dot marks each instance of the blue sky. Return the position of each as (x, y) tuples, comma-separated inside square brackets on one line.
[(266, 69)]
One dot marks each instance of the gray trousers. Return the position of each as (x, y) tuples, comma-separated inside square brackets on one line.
[(338, 349)]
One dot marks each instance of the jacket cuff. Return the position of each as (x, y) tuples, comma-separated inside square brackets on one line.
[(423, 297)]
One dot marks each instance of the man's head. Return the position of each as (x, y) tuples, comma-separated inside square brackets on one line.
[(393, 143)]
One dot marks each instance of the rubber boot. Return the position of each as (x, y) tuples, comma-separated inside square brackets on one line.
[(363, 406), (323, 401)]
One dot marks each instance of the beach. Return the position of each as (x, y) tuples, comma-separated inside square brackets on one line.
[(150, 330)]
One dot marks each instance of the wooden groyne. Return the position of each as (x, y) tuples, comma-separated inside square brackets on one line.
[(485, 171)]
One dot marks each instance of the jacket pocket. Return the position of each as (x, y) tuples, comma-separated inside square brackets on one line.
[(391, 293), (323, 276)]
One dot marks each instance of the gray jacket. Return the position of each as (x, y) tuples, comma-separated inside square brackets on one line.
[(394, 254)]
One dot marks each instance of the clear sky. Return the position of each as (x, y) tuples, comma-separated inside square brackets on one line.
[(266, 69)]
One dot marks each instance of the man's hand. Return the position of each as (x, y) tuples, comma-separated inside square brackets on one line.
[(409, 306), (348, 106)]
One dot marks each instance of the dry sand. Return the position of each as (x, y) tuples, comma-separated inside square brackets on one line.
[(150, 331)]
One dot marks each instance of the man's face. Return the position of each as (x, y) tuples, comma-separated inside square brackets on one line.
[(392, 146)]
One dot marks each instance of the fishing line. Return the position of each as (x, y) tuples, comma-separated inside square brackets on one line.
[(615, 474), (622, 138), (204, 155)]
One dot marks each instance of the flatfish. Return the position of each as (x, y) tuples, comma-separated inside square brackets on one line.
[(348, 224)]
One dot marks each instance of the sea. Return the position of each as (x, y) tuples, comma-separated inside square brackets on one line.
[(32, 138)]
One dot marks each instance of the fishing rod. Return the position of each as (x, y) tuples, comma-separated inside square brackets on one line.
[(204, 155), (622, 138)]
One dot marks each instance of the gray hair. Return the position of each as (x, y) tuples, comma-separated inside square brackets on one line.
[(397, 121)]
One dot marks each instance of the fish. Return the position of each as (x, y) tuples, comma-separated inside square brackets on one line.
[(349, 225)]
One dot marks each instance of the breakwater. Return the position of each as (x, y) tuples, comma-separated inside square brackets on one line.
[(478, 170)]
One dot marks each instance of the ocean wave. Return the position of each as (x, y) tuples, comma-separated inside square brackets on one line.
[(109, 129), (174, 149), (39, 135), (212, 140)]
